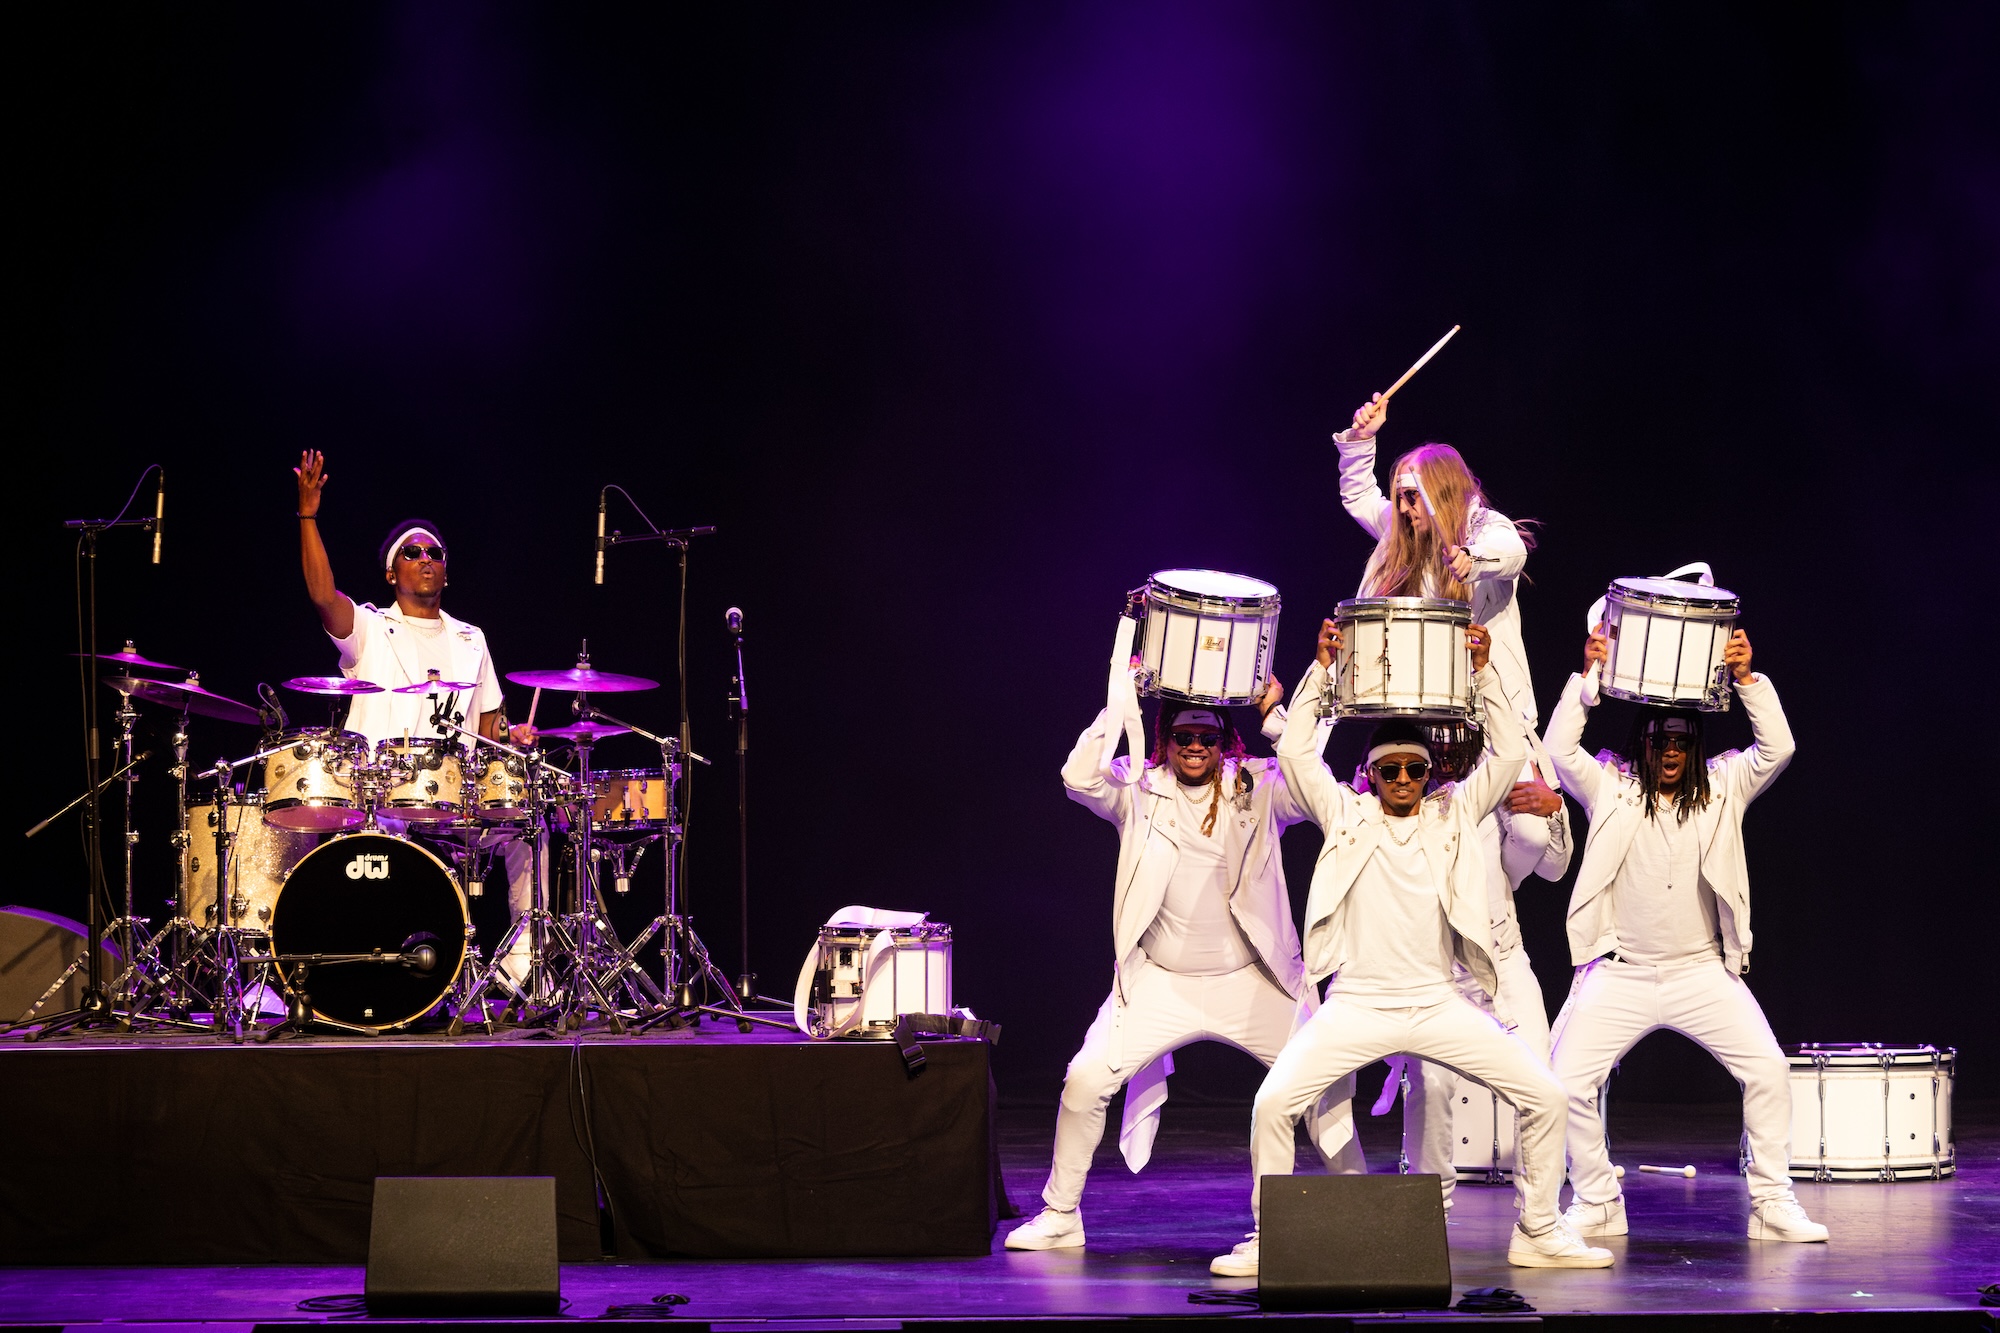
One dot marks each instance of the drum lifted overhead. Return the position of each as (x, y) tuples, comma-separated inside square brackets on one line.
[(1205, 636)]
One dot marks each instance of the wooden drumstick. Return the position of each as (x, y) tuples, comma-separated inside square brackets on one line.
[(533, 704), (1687, 1171), (1436, 347)]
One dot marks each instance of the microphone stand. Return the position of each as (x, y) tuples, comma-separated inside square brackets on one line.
[(739, 706), (92, 1010)]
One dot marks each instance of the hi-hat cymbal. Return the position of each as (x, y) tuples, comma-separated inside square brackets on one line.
[(583, 731), (332, 685), (129, 656), (437, 687), (584, 679), (185, 695)]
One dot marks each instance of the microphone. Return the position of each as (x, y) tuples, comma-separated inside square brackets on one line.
[(600, 536), (159, 513), (422, 958), (734, 615)]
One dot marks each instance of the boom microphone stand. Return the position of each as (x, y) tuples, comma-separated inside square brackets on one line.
[(93, 1010), (739, 707)]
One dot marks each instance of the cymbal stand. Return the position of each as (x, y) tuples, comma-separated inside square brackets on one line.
[(223, 942), (588, 924), (136, 944)]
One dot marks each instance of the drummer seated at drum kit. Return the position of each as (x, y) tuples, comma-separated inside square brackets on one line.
[(406, 643), (1399, 895), (1659, 928)]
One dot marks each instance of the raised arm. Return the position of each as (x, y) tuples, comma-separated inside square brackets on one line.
[(336, 609), (1493, 776), (1306, 777), (1755, 768), (1087, 786), (1360, 496)]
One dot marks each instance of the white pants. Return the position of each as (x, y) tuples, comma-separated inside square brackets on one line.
[(1454, 1033), (1613, 1004), (1163, 1012), (1427, 1140)]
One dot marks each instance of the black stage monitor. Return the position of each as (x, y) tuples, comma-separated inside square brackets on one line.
[(463, 1245), (1352, 1243)]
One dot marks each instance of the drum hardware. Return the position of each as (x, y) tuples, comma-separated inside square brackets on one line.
[(1402, 657), (314, 780), (299, 1015), (585, 731), (1204, 636), (431, 684)]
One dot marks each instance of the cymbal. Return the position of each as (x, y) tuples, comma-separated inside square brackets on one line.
[(129, 656), (185, 695), (584, 731), (331, 685), (584, 679), (437, 687)]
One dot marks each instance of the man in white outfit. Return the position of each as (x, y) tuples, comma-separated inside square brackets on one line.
[(1205, 948), (1659, 928), (1399, 895)]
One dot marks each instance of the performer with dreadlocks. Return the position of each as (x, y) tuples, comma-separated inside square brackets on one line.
[(1205, 948), (1659, 928)]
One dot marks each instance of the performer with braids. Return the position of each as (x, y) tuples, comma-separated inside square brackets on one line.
[(1205, 948), (1659, 930)]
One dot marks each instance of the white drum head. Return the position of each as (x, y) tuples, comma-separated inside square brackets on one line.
[(1214, 583), (1681, 588)]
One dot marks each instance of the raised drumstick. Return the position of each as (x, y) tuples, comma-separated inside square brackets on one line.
[(1436, 347), (1687, 1171), (533, 704)]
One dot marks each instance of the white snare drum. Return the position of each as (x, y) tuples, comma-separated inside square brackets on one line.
[(1865, 1112), (1667, 637), (863, 978), (1206, 636), (423, 778), (260, 855), (1483, 1137), (309, 785), (1403, 657)]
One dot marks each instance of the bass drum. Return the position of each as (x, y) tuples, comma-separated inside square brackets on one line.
[(358, 894)]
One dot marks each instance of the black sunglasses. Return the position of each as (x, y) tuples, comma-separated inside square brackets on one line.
[(414, 551), (1204, 738), (1389, 770), (1671, 740)]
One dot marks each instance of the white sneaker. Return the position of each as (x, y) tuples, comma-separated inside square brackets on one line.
[(1558, 1247), (1239, 1262), (1596, 1219), (1048, 1230), (1783, 1219)]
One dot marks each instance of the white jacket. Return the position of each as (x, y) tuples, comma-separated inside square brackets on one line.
[(1610, 796), (1495, 543), (1448, 824), (374, 651)]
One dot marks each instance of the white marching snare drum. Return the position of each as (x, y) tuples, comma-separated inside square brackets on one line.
[(1866, 1112), (1483, 1135), (864, 977), (1207, 636), (1403, 657), (1666, 641)]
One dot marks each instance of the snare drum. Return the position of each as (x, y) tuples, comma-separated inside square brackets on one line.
[(1206, 636), (1667, 637), (1403, 657), (864, 978), (260, 855), (309, 785), (1483, 1137), (632, 798), (1865, 1112), (501, 791), (424, 778)]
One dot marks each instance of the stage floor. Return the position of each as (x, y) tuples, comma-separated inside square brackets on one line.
[(1909, 1247)]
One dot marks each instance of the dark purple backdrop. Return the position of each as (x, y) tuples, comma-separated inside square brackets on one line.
[(959, 320)]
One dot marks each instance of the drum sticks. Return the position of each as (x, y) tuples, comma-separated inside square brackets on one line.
[(1436, 347)]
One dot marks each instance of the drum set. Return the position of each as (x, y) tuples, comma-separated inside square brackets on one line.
[(331, 879)]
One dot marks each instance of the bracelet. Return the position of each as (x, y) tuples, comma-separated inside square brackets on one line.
[(310, 518)]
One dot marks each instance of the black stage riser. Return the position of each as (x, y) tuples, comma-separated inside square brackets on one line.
[(212, 1154)]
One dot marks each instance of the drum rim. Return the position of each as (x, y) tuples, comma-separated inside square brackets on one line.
[(1190, 697), (1441, 713), (257, 797), (1698, 702), (1450, 608), (1726, 600), (1867, 1051), (321, 733), (445, 744), (1156, 580), (271, 926)]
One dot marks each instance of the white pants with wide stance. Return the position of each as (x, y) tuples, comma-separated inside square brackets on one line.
[(1455, 1033), (1613, 1004), (1427, 1141), (1165, 1011)]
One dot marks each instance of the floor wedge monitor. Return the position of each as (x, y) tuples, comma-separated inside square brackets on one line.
[(463, 1245), (1352, 1243)]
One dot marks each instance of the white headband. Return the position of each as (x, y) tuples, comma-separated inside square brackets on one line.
[(1410, 481), (1398, 747), (405, 535)]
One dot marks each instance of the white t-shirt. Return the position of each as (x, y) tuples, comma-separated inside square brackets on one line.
[(1195, 934), (1399, 942), (1661, 910), (391, 649)]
